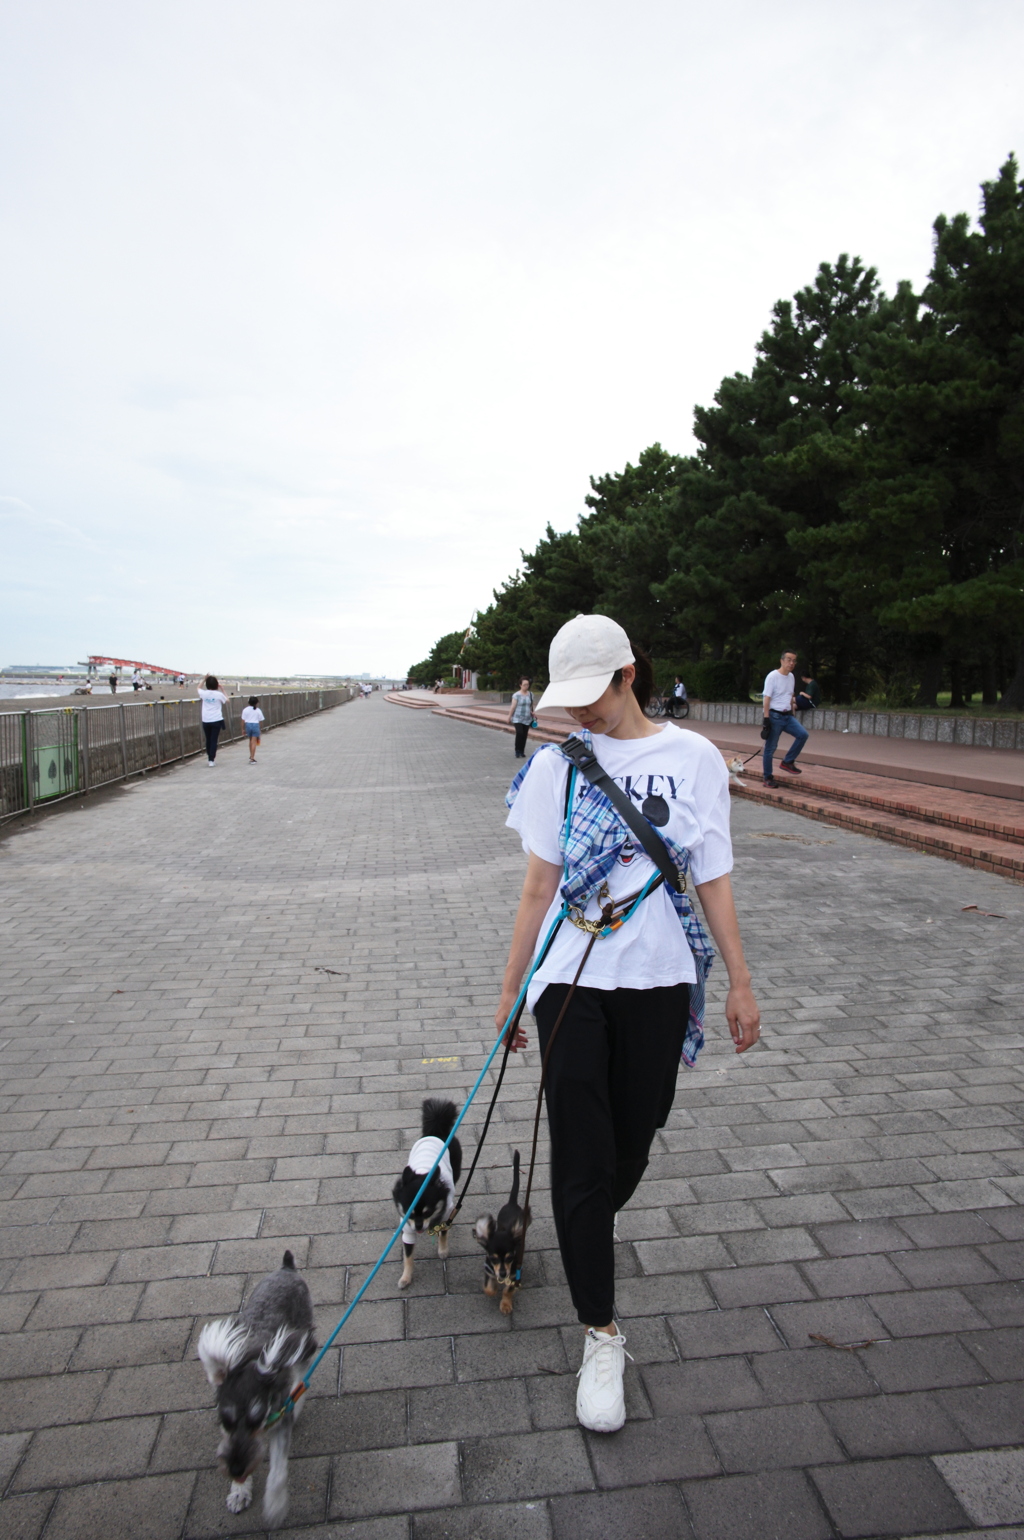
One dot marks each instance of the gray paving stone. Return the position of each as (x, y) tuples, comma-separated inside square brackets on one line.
[(724, 1331), (511, 1355), (921, 1363), (772, 1438), (853, 1276), (779, 1505), (36, 1352), (959, 1229), (849, 1240), (988, 1414), (498, 1521), (25, 1516), (707, 1385), (811, 1374), (394, 1527), (1002, 1304), (888, 1497), (151, 1508), (888, 1426), (766, 1285), (925, 1312), (89, 1452), (642, 1513), (669, 1448), (1000, 1352), (945, 1265), (49, 1401), (843, 1320), (527, 1465), (394, 1480), (460, 1411), (988, 1483)]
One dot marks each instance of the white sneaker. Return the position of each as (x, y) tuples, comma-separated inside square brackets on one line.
[(600, 1403)]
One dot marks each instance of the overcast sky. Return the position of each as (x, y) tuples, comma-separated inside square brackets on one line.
[(312, 314)]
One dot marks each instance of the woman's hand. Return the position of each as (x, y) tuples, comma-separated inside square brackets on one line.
[(501, 1015), (744, 1017)]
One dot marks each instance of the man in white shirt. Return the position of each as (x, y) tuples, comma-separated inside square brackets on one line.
[(778, 700)]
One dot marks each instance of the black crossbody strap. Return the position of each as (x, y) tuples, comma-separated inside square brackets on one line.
[(577, 752)]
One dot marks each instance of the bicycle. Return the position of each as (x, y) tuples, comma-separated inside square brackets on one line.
[(668, 706)]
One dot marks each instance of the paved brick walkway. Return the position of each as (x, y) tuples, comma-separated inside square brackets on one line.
[(187, 1092)]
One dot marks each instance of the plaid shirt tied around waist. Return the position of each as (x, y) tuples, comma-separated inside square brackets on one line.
[(591, 840)]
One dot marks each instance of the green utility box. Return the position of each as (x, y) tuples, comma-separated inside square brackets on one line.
[(54, 767)]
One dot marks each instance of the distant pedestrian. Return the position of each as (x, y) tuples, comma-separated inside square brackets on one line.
[(678, 698), (778, 702), (113, 684), (214, 700), (808, 697), (521, 716), (136, 681), (252, 716)]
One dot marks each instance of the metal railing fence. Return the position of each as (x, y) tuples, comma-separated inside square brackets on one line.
[(59, 752)]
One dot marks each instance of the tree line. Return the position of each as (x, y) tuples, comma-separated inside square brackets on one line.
[(858, 496)]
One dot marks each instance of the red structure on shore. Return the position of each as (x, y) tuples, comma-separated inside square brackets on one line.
[(95, 663)]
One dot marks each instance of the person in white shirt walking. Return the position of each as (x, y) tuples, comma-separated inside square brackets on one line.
[(778, 701), (214, 700), (252, 716), (612, 1043)]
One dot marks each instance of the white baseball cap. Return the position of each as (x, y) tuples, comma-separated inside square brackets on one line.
[(582, 658)]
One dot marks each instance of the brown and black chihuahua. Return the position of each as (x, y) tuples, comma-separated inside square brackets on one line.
[(502, 1243)]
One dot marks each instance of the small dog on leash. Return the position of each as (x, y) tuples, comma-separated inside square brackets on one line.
[(735, 767), (502, 1242), (438, 1202), (254, 1360)]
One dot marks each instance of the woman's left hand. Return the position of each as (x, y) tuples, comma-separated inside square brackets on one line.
[(743, 1016)]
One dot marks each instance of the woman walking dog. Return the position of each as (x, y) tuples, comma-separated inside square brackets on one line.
[(612, 1042)]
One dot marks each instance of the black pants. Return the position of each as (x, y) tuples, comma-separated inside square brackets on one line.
[(211, 731), (522, 728), (610, 1086)]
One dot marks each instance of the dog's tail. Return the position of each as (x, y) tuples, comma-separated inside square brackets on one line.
[(438, 1118), (288, 1261), (513, 1196)]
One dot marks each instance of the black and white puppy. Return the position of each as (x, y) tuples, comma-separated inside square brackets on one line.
[(438, 1202), (502, 1243), (255, 1359)]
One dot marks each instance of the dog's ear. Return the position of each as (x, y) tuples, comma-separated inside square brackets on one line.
[(484, 1229), (283, 1351), (221, 1347), (407, 1176)]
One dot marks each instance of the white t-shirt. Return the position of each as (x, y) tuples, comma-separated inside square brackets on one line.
[(252, 714), (213, 700), (421, 1157), (779, 687), (687, 776)]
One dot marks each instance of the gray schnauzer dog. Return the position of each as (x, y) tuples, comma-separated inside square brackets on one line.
[(255, 1359)]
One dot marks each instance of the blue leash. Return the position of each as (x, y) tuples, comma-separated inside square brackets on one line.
[(303, 1386)]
